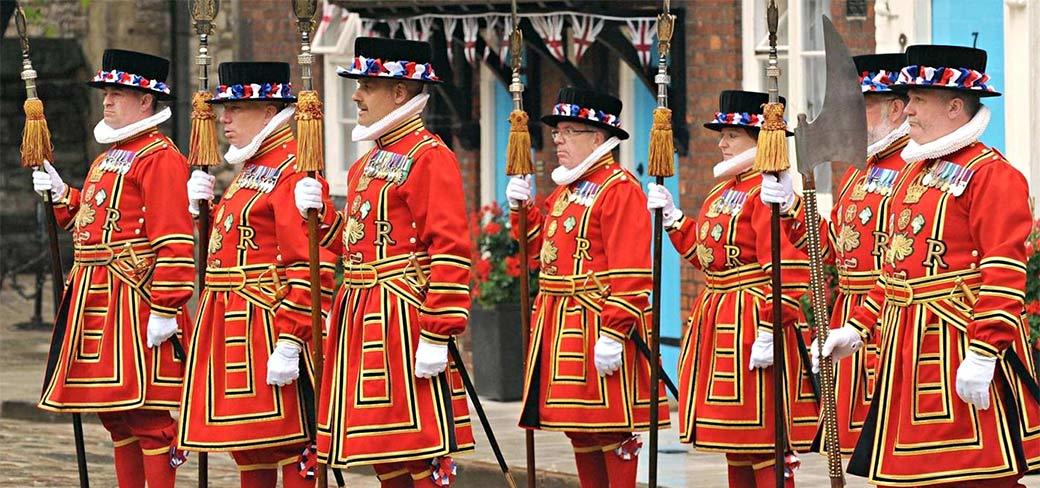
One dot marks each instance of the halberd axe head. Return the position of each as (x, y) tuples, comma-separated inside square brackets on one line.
[(839, 132)]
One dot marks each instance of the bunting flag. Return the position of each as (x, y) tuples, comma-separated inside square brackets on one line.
[(449, 35), (641, 33), (395, 25), (367, 28), (416, 29), (327, 12), (550, 28), (504, 40), (497, 28), (470, 29), (410, 27), (585, 29), (426, 28), (490, 36)]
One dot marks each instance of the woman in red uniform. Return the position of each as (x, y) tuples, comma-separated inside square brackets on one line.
[(253, 324), (726, 364)]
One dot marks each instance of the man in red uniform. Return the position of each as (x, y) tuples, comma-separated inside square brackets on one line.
[(854, 238), (133, 272), (253, 324), (584, 375), (952, 405), (390, 397)]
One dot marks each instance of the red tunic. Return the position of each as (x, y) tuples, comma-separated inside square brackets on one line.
[(257, 292), (405, 249), (955, 223), (132, 238), (854, 244), (723, 405), (592, 242)]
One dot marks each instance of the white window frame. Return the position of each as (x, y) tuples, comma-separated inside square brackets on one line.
[(796, 55), (627, 78), (488, 135), (340, 152)]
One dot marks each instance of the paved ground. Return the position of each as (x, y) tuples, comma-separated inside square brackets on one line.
[(36, 448)]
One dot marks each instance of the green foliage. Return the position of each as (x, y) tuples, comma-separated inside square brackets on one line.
[(830, 274), (1033, 281)]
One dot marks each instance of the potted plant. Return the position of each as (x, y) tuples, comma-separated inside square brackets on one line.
[(495, 329), (1032, 300)]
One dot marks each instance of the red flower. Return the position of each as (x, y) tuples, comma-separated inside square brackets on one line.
[(492, 228), (483, 269), (474, 291), (1033, 307), (1030, 249), (513, 266), (496, 210)]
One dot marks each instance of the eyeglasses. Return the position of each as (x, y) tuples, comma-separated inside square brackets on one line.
[(568, 133)]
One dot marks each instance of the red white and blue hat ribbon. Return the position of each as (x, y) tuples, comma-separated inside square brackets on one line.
[(739, 118), (130, 79), (405, 70), (255, 91), (577, 111), (961, 78), (877, 81)]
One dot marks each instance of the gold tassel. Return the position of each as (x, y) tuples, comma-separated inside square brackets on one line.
[(202, 146), (36, 139), (518, 150), (662, 147), (772, 140), (310, 136)]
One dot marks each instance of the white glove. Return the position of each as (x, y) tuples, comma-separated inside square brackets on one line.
[(973, 378), (200, 187), (160, 329), (430, 359), (519, 190), (608, 353), (814, 354), (658, 197), (777, 191), (841, 343), (48, 179), (762, 351), (284, 364), (308, 195)]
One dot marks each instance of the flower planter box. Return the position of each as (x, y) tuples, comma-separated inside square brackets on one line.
[(498, 352)]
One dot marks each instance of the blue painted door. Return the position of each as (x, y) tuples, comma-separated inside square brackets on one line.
[(956, 22), (642, 107), (503, 106)]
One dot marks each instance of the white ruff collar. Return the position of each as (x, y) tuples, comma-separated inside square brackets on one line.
[(104, 134), (735, 165), (239, 155), (884, 142), (563, 176), (382, 126), (950, 143)]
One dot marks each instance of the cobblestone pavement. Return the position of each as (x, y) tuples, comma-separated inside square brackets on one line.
[(42, 454)]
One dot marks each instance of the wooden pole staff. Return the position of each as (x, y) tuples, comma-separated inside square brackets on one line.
[(518, 163), (36, 148)]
